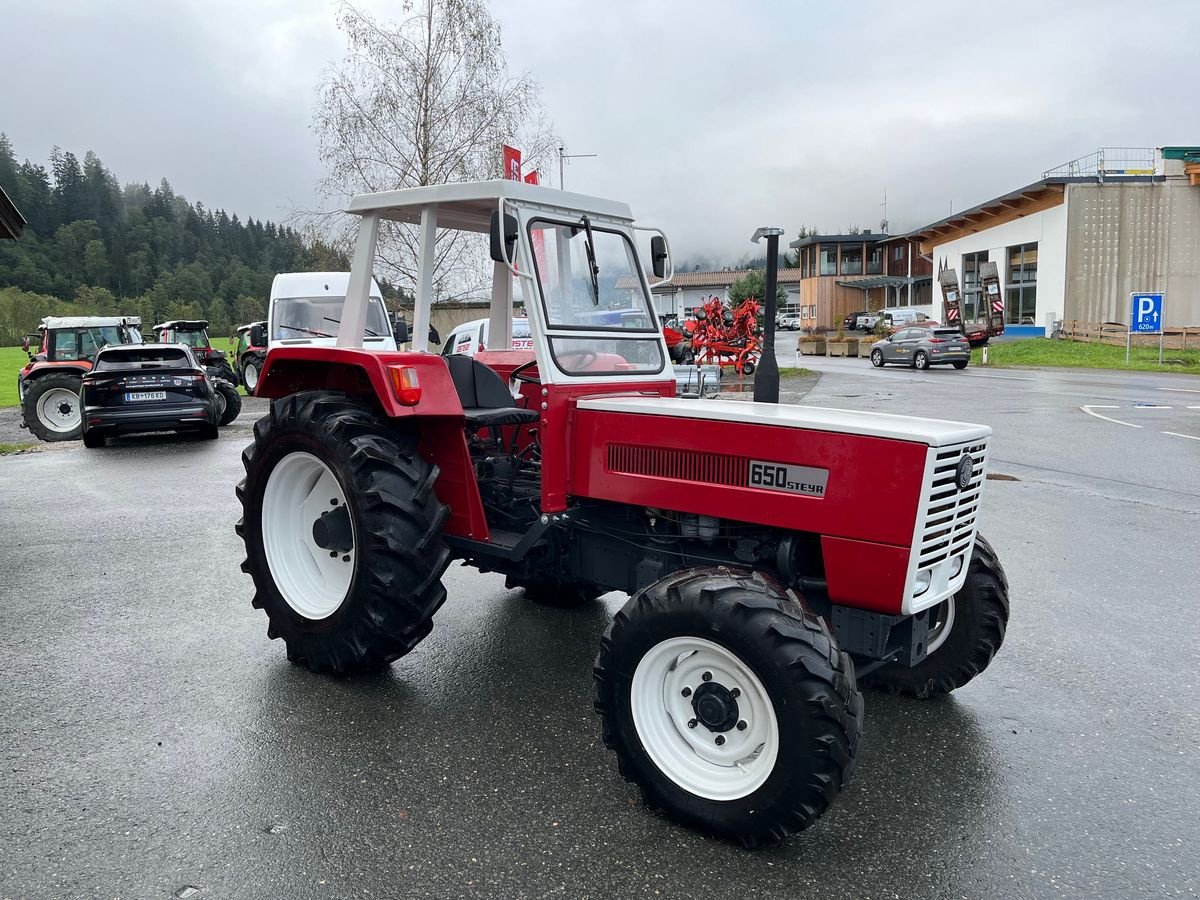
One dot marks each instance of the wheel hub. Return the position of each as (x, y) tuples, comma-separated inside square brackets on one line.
[(715, 706), (332, 530)]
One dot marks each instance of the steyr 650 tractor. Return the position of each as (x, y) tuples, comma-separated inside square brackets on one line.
[(761, 592), (49, 384)]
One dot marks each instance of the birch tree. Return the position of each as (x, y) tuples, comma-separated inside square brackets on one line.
[(426, 100)]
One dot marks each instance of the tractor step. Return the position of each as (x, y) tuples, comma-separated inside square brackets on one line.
[(509, 545)]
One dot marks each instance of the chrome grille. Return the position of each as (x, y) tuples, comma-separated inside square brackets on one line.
[(950, 513)]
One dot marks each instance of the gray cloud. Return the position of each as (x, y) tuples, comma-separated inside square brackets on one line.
[(710, 118)]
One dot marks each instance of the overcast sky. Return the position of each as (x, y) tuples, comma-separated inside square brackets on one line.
[(709, 118)]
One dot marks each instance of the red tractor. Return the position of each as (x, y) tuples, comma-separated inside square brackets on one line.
[(194, 333), (761, 595), (48, 385)]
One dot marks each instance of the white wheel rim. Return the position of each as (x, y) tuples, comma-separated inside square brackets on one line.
[(691, 757), (299, 489), (942, 626), (251, 376), (58, 410)]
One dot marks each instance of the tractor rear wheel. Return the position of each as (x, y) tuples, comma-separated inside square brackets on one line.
[(343, 533), (52, 407), (966, 632), (233, 402), (729, 704)]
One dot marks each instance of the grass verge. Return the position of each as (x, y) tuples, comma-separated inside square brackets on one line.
[(11, 361), (6, 449), (1081, 355)]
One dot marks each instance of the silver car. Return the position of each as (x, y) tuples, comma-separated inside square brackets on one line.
[(923, 347)]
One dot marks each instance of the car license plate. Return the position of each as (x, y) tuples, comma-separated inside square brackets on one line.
[(135, 396)]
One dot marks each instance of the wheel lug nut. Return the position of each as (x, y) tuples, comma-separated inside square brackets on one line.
[(707, 676), (741, 726), (346, 558), (691, 723), (333, 501), (735, 693), (687, 692), (720, 739), (333, 554)]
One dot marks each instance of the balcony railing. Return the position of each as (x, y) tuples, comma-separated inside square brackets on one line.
[(1109, 162)]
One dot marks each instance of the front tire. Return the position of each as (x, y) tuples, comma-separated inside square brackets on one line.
[(250, 376), (877, 358), (52, 408), (728, 704), (359, 590), (968, 631), (233, 402)]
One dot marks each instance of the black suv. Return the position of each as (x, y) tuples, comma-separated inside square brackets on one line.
[(147, 387)]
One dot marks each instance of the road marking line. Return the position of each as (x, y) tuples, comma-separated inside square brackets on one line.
[(1190, 437), (1148, 406), (1194, 407), (1088, 410), (1005, 377), (1182, 390)]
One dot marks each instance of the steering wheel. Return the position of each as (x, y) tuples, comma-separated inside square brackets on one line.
[(588, 357), (521, 373)]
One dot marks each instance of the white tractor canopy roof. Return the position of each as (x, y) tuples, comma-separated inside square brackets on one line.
[(468, 205), (52, 322)]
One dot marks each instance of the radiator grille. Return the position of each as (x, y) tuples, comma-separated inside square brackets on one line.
[(682, 465), (950, 513)]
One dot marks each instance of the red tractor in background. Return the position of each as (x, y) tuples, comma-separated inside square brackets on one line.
[(48, 386), (761, 595), (194, 334)]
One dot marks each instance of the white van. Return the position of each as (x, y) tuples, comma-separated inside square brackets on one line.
[(896, 317), (471, 337), (306, 308)]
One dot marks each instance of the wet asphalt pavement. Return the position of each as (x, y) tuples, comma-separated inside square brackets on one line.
[(154, 743)]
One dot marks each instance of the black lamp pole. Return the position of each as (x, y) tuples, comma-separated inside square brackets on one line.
[(766, 378)]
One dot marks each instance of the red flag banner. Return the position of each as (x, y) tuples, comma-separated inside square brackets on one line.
[(512, 163), (532, 178)]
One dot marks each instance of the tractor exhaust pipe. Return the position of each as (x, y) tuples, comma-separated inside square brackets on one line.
[(766, 378)]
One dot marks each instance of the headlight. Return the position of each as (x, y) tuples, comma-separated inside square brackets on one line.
[(921, 584), (956, 566)]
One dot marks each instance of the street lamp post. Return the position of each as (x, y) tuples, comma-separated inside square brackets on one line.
[(563, 155), (766, 377)]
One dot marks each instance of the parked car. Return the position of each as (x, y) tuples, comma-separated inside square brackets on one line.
[(791, 322), (850, 322), (471, 337), (147, 387), (922, 347), (896, 317)]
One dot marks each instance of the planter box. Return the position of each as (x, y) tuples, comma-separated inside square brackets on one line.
[(839, 348), (812, 348), (865, 348)]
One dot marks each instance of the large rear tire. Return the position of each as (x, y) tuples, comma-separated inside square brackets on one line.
[(52, 407), (967, 631), (729, 704), (233, 402), (343, 533)]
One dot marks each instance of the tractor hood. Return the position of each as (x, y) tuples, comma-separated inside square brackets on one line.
[(931, 432)]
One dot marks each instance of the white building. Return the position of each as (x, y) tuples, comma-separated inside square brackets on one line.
[(1076, 244)]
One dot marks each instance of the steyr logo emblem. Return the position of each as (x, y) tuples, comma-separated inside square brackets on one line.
[(962, 475)]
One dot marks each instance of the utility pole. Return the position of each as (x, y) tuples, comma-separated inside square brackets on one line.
[(766, 378), (563, 156)]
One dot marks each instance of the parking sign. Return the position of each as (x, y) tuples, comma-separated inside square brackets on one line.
[(1146, 313)]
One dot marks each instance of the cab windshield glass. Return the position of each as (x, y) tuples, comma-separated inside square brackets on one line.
[(590, 282), (192, 338), (302, 317)]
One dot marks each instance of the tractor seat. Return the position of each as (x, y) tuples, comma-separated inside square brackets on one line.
[(485, 400)]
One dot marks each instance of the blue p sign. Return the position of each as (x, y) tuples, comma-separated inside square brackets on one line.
[(1146, 315)]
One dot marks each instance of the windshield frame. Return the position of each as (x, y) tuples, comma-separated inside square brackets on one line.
[(606, 330)]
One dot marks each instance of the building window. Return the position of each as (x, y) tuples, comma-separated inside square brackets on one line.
[(971, 287), (1020, 298), (875, 260), (852, 260), (898, 253), (828, 259)]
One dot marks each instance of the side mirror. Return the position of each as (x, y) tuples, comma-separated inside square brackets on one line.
[(503, 253), (658, 256), (400, 329), (257, 338)]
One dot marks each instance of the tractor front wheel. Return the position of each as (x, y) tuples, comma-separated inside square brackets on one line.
[(965, 633), (52, 408), (231, 400), (729, 704), (343, 533)]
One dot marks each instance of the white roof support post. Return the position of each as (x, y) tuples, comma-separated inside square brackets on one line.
[(424, 299), (500, 314), (354, 312)]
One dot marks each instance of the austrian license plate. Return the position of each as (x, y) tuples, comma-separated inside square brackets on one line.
[(795, 479), (135, 396)]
